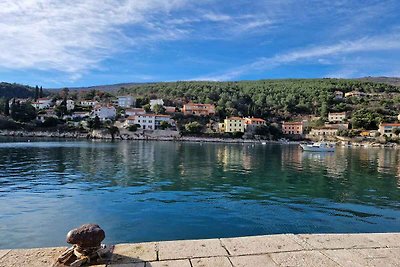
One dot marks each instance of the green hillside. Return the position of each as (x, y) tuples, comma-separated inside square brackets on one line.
[(10, 90), (279, 99)]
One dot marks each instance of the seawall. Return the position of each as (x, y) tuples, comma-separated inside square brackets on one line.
[(256, 251)]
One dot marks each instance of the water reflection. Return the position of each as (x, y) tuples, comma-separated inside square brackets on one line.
[(142, 191)]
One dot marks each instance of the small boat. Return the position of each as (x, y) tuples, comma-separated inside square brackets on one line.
[(263, 143), (318, 147)]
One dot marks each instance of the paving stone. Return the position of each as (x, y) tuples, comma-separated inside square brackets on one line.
[(173, 263), (4, 252), (334, 241), (130, 253), (211, 262), (31, 257), (260, 244), (380, 257), (303, 258), (136, 264), (171, 250), (391, 240), (253, 261)]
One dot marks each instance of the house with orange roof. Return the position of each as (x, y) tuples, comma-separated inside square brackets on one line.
[(387, 128), (293, 128), (252, 123), (198, 109)]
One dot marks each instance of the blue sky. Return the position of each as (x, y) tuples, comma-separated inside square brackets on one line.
[(57, 43)]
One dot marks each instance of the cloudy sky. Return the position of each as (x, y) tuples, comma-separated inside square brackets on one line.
[(58, 43)]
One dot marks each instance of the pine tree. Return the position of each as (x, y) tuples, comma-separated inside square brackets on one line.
[(7, 107), (41, 92), (36, 93)]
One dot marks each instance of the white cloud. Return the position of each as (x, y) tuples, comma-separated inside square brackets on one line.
[(367, 44), (74, 36)]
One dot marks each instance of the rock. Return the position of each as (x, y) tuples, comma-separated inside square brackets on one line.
[(87, 235)]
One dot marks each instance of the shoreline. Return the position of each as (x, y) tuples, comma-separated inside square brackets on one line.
[(140, 136), (361, 249)]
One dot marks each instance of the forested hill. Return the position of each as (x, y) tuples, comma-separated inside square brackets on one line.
[(282, 98), (10, 90)]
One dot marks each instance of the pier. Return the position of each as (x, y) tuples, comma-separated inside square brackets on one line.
[(271, 250)]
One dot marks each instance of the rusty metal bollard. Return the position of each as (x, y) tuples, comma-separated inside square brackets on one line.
[(86, 246)]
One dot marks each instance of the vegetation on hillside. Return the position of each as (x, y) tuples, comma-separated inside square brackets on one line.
[(10, 90), (277, 99)]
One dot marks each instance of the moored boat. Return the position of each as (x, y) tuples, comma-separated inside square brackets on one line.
[(318, 147)]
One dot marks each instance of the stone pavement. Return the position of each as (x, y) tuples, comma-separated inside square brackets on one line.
[(272, 250)]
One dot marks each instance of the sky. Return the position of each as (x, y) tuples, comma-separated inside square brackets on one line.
[(58, 43)]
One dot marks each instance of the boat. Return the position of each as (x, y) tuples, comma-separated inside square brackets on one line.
[(318, 147)]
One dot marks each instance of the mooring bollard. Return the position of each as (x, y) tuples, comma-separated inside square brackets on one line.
[(86, 246)]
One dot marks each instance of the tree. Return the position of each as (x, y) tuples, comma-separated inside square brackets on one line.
[(61, 109), (396, 131), (50, 122), (36, 93), (24, 112), (7, 107), (164, 125), (193, 127), (41, 92), (365, 119), (159, 109), (147, 107), (96, 123), (113, 131)]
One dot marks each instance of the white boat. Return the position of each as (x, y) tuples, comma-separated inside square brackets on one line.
[(318, 147)]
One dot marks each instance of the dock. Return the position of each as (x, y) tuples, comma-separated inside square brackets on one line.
[(378, 249)]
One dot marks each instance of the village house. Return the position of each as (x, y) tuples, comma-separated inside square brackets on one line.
[(126, 101), (170, 110), (80, 115), (149, 121), (154, 102), (338, 95), (324, 131), (336, 117), (387, 128), (88, 103), (50, 113), (354, 94), (134, 111), (105, 112), (70, 104), (18, 100), (42, 103), (198, 109), (293, 128), (253, 123), (232, 125)]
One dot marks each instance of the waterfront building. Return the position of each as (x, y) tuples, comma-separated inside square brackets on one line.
[(154, 102), (252, 123), (105, 112), (134, 111), (80, 115), (50, 113), (336, 117), (324, 131), (126, 101), (42, 103), (149, 121), (232, 125), (88, 103), (355, 94), (387, 128), (198, 109), (293, 128), (338, 95)]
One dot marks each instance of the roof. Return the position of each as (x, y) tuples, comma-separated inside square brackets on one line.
[(198, 104), (234, 118), (134, 109), (255, 119), (390, 124), (293, 122)]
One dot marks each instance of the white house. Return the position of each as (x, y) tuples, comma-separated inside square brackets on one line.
[(105, 112), (154, 102), (88, 103), (70, 104), (80, 115), (134, 111), (338, 94), (42, 103), (149, 121), (126, 101), (387, 128), (336, 116), (47, 114)]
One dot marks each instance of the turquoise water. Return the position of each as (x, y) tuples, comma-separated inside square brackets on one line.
[(147, 191)]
